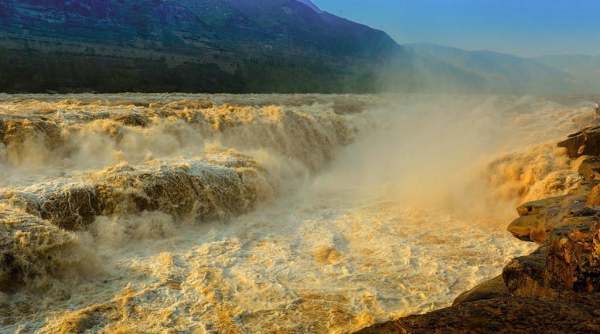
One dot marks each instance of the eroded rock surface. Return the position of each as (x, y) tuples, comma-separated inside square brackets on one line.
[(487, 290), (585, 142), (537, 219), (507, 314)]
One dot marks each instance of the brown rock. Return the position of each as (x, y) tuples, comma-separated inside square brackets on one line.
[(529, 228), (537, 219), (526, 275), (593, 198), (505, 314), (585, 142), (487, 290), (573, 261), (570, 261)]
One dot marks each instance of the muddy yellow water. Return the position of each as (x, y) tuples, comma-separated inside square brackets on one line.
[(258, 214)]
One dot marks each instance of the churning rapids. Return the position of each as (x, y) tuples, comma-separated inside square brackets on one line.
[(262, 213)]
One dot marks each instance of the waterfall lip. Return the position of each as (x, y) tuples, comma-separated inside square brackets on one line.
[(69, 165)]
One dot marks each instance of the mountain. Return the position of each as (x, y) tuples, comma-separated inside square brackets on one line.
[(184, 45), (311, 5), (441, 68), (586, 68)]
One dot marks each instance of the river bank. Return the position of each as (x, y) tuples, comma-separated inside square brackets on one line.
[(552, 290)]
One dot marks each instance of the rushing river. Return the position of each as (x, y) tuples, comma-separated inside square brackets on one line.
[(262, 213)]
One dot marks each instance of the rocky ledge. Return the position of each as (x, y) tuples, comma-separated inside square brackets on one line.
[(556, 289)]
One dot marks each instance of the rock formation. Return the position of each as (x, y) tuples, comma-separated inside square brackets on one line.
[(585, 142)]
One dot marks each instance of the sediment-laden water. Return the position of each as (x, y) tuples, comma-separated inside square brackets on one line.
[(262, 213)]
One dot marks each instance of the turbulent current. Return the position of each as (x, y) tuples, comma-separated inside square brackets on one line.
[(176, 213)]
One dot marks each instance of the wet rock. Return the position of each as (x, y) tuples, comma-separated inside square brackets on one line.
[(593, 198), (540, 217), (529, 228), (526, 275), (569, 261), (489, 289), (573, 261), (536, 218), (583, 212), (539, 207), (507, 314), (585, 142)]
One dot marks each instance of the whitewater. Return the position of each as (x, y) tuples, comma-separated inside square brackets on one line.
[(263, 213)]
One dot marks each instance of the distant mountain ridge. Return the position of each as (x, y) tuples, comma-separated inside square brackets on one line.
[(486, 71), (311, 5), (584, 68)]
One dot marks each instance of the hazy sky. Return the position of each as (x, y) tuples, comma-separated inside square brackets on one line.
[(523, 27)]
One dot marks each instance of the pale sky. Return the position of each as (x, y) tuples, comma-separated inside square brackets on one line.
[(522, 27)]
